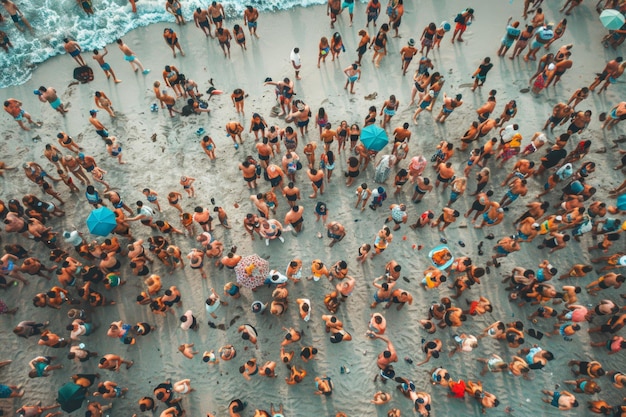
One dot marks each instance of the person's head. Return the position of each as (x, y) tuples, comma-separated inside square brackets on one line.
[(487, 60), (119, 42), (296, 50), (619, 59)]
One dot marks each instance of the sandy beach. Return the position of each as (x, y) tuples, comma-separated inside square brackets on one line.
[(159, 162)]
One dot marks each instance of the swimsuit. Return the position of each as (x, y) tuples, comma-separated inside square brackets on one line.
[(56, 103), (389, 111)]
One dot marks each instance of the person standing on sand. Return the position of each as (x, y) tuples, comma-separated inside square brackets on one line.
[(129, 56), (73, 48), (14, 108), (353, 72), (108, 71), (17, 16), (49, 94), (333, 8), (172, 41), (250, 16), (296, 61)]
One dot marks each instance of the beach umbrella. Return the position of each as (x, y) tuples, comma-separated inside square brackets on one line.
[(251, 271), (71, 397), (612, 19), (101, 221), (374, 138)]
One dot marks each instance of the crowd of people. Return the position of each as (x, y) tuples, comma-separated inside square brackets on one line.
[(553, 174)]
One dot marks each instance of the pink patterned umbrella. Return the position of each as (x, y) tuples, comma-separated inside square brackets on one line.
[(251, 271)]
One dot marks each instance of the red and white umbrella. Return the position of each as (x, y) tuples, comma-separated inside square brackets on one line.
[(251, 271)]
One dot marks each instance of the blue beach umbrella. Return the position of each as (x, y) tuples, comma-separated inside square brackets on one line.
[(374, 138), (101, 221), (612, 19)]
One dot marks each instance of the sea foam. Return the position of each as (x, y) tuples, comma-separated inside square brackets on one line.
[(54, 20)]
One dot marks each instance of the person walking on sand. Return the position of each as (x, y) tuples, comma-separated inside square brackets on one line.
[(407, 53), (14, 108), (379, 42), (108, 71), (130, 57), (17, 16), (480, 75), (201, 19), (250, 16), (103, 102), (217, 14), (462, 20), (224, 37), (353, 72), (49, 94), (73, 48), (296, 62)]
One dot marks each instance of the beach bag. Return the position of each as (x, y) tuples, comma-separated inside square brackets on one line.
[(83, 74), (438, 156)]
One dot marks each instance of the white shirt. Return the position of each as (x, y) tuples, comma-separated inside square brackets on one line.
[(74, 238), (185, 325), (295, 58), (507, 133)]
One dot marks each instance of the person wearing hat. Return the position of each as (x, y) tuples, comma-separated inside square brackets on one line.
[(449, 104), (100, 129), (542, 37), (407, 53)]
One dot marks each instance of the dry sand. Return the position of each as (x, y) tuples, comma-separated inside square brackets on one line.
[(176, 152)]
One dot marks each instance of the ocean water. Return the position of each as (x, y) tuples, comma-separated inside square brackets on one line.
[(54, 20)]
